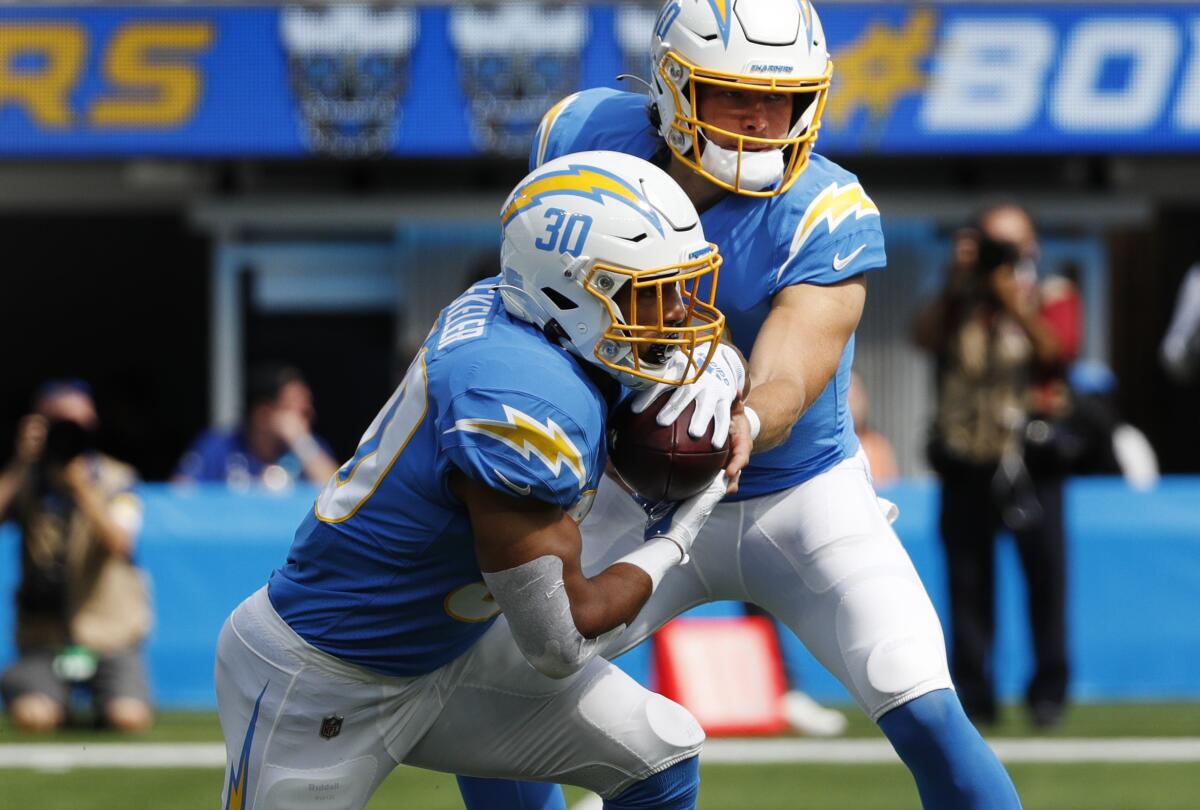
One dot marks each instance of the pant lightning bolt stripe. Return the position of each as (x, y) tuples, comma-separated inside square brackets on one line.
[(238, 776)]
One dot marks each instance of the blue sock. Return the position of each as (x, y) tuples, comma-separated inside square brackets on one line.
[(505, 794), (672, 789), (952, 765)]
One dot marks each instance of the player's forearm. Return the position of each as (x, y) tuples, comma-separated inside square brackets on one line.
[(608, 600), (557, 616), (779, 404)]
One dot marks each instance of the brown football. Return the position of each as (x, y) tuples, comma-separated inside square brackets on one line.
[(662, 463)]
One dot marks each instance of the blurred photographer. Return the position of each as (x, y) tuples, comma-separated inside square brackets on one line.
[(82, 606), (999, 446)]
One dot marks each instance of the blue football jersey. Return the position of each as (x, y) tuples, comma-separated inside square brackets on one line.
[(823, 230), (382, 572)]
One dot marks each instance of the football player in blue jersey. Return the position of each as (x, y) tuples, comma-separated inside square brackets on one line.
[(433, 610), (737, 89)]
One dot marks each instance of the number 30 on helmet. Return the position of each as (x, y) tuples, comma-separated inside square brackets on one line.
[(588, 240)]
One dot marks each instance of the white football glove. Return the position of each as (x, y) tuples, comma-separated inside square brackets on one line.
[(681, 521), (713, 393)]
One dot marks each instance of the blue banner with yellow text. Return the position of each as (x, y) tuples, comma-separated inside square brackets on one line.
[(474, 78)]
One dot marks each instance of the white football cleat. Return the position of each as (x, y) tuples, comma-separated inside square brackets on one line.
[(810, 718)]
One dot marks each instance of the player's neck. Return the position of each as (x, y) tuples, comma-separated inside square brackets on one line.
[(703, 193)]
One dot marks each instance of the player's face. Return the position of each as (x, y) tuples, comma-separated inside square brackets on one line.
[(746, 112), (641, 308)]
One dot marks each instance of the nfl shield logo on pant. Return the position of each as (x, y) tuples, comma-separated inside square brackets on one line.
[(331, 726)]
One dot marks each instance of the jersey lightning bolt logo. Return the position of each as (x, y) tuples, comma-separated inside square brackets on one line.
[(578, 181), (549, 442), (833, 206)]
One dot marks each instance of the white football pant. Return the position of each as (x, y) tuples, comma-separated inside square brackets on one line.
[(821, 557), (304, 729)]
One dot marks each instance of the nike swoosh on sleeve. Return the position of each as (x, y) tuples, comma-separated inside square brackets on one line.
[(840, 264), (523, 489)]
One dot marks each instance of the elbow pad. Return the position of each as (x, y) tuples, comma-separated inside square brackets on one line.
[(534, 600)]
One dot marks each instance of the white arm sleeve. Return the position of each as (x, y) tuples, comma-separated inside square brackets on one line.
[(534, 600)]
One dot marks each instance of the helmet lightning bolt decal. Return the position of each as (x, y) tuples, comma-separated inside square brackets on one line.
[(720, 10), (806, 7), (529, 437), (578, 181)]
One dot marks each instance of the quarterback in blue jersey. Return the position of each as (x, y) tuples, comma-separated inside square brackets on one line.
[(433, 610), (737, 89)]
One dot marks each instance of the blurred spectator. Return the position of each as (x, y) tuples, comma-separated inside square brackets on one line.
[(880, 453), (275, 445), (999, 450), (82, 606), (1181, 345)]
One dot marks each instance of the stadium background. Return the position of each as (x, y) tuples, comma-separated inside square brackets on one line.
[(187, 189)]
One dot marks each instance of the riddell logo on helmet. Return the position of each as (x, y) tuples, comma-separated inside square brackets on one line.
[(771, 68)]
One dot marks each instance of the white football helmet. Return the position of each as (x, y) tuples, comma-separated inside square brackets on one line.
[(768, 46), (590, 237)]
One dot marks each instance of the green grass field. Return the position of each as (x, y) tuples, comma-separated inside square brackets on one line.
[(1043, 786)]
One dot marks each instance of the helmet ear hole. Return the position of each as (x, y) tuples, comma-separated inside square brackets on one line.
[(560, 300)]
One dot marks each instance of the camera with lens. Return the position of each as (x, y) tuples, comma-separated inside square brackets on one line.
[(993, 253), (65, 440)]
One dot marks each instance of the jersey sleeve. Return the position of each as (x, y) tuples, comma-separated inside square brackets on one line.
[(598, 118), (519, 444), (548, 140), (837, 236)]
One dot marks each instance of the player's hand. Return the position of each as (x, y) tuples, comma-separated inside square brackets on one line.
[(681, 521), (741, 446), (31, 440), (714, 393)]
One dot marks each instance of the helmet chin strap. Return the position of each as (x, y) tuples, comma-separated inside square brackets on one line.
[(759, 169)]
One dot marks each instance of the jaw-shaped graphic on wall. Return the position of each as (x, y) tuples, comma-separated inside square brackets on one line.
[(515, 60), (348, 66)]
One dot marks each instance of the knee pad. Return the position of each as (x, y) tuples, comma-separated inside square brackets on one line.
[(891, 640), (674, 788), (652, 736), (660, 731)]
